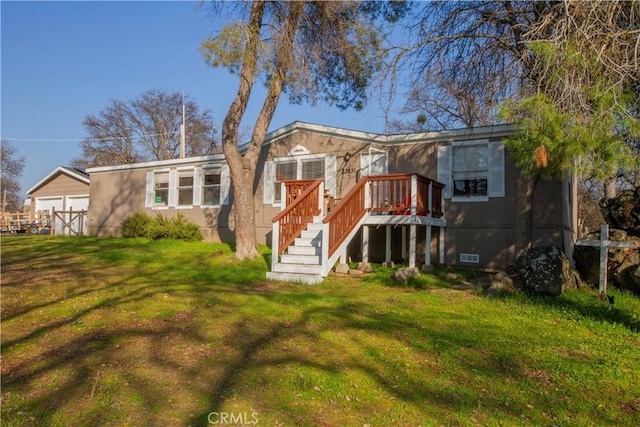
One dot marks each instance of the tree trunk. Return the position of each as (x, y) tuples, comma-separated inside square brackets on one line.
[(243, 170), (526, 187), (243, 207), (610, 190)]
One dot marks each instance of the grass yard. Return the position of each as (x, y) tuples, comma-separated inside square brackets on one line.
[(144, 333)]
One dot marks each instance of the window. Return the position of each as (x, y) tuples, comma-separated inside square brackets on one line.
[(185, 188), (211, 187), (470, 170), (313, 169), (298, 167), (188, 187), (284, 172), (161, 187)]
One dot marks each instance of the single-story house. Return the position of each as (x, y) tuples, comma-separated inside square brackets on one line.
[(63, 189), (447, 197)]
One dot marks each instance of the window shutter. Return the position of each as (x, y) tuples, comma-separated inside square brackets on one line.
[(225, 185), (268, 182), (150, 194), (330, 175), (173, 187), (444, 168), (496, 169), (198, 174)]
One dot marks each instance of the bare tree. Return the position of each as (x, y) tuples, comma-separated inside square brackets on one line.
[(11, 169), (310, 50), (563, 69), (146, 128)]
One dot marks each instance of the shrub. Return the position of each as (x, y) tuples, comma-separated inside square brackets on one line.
[(136, 225), (177, 228)]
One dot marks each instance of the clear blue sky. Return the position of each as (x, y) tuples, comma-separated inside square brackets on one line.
[(64, 60)]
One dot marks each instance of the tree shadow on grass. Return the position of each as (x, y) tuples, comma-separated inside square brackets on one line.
[(589, 305), (112, 362)]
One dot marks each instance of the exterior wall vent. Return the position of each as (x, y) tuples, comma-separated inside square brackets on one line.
[(472, 258)]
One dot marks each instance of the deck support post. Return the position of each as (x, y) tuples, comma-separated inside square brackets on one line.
[(441, 245), (412, 245), (427, 247), (387, 250), (404, 244), (365, 243)]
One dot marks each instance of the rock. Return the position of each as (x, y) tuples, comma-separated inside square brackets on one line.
[(389, 264), (620, 261), (356, 272), (342, 269), (365, 267), (546, 270), (629, 278), (623, 212), (404, 274), (500, 283)]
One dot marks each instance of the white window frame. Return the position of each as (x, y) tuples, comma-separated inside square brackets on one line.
[(151, 189), (179, 171), (495, 169), (270, 173), (198, 181), (205, 169)]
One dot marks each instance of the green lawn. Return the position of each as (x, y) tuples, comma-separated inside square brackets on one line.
[(136, 332)]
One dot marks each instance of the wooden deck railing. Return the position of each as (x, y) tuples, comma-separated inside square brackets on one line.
[(436, 199), (345, 215), (302, 206), (396, 194), (387, 194), (294, 188)]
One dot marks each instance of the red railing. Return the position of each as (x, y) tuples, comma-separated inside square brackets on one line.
[(294, 188), (301, 206), (388, 194), (436, 199), (345, 215)]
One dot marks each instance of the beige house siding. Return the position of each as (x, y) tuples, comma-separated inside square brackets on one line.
[(62, 185), (116, 194), (484, 228)]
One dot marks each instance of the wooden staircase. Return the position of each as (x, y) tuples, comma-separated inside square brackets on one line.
[(302, 261), (306, 244)]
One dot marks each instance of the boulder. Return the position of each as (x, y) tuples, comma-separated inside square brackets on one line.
[(365, 267), (621, 262), (342, 268), (546, 270), (623, 212), (403, 275)]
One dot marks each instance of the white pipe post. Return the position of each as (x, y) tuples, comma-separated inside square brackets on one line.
[(365, 243)]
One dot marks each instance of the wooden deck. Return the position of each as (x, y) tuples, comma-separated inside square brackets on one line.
[(396, 199)]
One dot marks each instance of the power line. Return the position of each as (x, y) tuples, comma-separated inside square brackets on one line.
[(84, 139)]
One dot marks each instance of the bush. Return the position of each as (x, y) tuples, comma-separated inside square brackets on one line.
[(177, 228), (136, 225), (142, 225)]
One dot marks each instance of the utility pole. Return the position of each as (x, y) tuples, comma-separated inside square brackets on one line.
[(182, 130)]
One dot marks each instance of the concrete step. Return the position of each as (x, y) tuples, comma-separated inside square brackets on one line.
[(310, 279), (300, 259), (315, 226), (304, 250), (299, 241), (310, 234), (297, 268)]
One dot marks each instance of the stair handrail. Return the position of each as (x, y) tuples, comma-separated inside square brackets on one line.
[(293, 219), (345, 215)]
